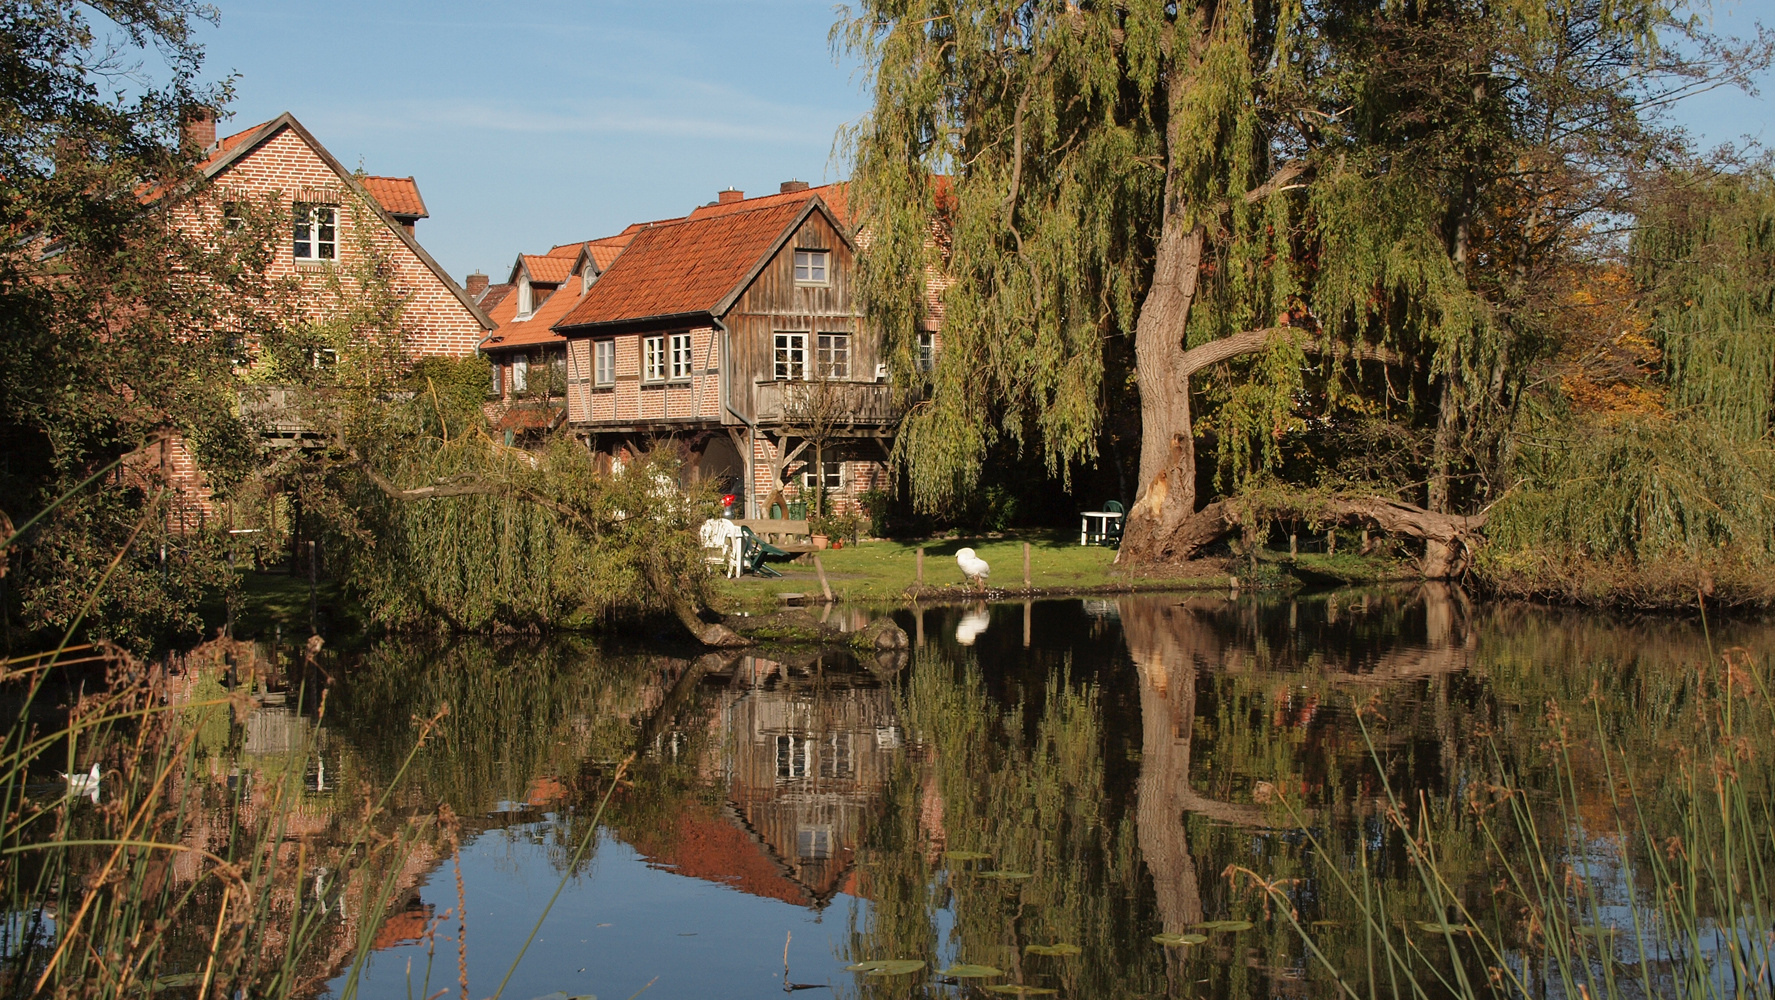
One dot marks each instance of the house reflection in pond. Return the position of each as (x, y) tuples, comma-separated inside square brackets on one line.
[(804, 753)]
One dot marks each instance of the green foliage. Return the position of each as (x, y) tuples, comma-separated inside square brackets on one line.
[(1641, 490), (1400, 184), (1705, 250), (536, 541), (118, 326)]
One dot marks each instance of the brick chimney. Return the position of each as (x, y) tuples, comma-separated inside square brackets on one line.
[(475, 286), (790, 187), (729, 196), (200, 130)]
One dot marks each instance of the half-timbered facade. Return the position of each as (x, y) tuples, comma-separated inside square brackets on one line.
[(735, 332)]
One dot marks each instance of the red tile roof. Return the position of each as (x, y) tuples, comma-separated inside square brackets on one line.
[(547, 269), (606, 250), (397, 196), (834, 195), (530, 418), (511, 332), (686, 267)]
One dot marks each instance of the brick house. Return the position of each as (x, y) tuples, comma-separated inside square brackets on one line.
[(734, 332), (331, 213)]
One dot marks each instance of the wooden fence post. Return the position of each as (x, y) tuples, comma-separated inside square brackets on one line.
[(921, 565), (1026, 570), (825, 587)]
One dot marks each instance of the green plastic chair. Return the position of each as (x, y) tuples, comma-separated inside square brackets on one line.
[(755, 550), (1113, 533)]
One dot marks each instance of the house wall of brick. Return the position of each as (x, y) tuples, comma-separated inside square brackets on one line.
[(632, 398), (435, 321), (860, 475)]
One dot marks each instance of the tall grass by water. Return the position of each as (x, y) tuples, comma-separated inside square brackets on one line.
[(182, 873), (1635, 872)]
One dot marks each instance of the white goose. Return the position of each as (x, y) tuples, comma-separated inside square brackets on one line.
[(973, 567)]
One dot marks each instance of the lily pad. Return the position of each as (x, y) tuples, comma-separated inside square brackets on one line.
[(1597, 931), (1175, 940), (1435, 928), (966, 855), (966, 971), (1062, 949), (1225, 926), (1004, 874), (1327, 923), (887, 967), (1018, 989)]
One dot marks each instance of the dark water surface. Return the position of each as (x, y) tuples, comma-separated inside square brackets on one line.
[(1087, 773)]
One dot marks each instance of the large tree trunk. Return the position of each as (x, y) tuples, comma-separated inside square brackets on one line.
[(1167, 494)]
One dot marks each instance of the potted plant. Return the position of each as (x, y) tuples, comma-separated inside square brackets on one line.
[(822, 529)]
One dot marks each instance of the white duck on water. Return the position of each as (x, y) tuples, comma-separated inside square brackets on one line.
[(973, 567)]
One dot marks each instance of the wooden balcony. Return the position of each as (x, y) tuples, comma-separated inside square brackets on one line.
[(836, 404)]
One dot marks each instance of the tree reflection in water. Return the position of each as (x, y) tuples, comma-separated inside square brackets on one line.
[(1080, 773)]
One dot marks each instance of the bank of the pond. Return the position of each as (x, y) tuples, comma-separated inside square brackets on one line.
[(883, 571)]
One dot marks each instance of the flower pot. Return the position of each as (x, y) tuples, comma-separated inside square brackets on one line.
[(819, 541)]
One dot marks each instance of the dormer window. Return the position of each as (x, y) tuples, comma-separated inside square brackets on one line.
[(586, 277), (316, 232), (527, 298), (812, 267)]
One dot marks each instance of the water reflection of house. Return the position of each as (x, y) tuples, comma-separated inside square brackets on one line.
[(804, 753)]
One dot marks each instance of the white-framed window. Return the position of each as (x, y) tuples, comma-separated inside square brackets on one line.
[(529, 298), (603, 362), (791, 356), (792, 754), (833, 476), (520, 373), (927, 351), (233, 217), (653, 357), (832, 355), (498, 379), (681, 354), (322, 357), (316, 232), (813, 267)]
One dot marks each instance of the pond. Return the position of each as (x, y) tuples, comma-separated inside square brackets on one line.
[(1136, 796)]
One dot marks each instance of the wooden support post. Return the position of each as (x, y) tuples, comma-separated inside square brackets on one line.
[(1293, 545), (1026, 576), (1028, 608), (1331, 542), (820, 568), (921, 565), (918, 616)]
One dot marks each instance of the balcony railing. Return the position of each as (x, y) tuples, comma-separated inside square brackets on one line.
[(837, 404)]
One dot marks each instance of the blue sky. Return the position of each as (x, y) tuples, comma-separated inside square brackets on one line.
[(528, 124)]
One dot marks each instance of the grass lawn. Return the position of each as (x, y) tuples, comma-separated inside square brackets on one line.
[(883, 570)]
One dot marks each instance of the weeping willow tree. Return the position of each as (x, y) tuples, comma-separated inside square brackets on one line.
[(1289, 208)]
